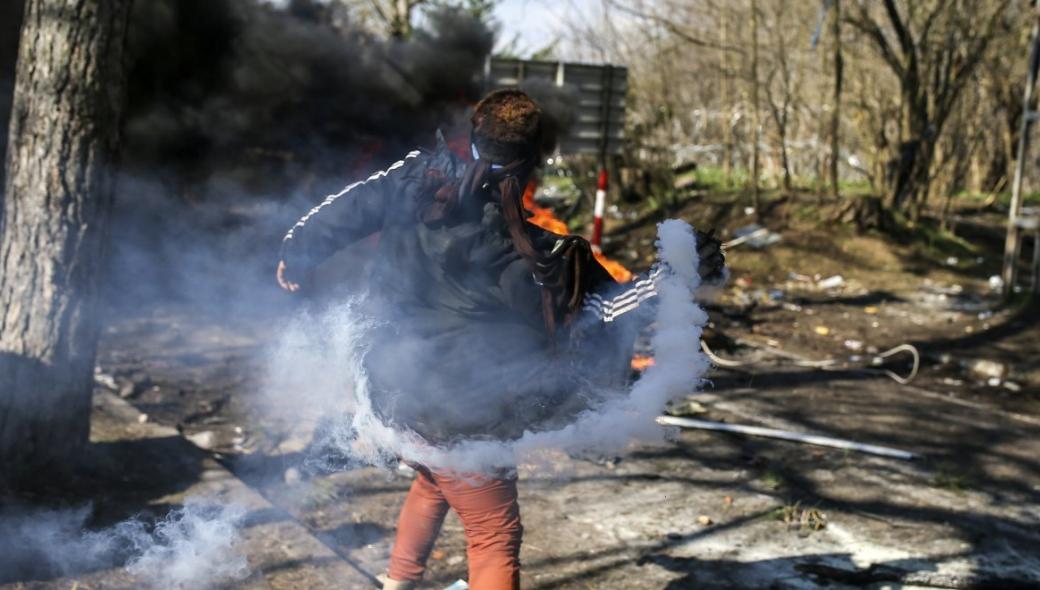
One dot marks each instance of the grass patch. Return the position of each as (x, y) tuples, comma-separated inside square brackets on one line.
[(772, 479), (714, 177), (1003, 198), (804, 519), (937, 244), (949, 477)]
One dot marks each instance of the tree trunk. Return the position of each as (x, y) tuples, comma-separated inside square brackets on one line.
[(68, 98), (401, 22), (839, 66), (785, 159), (10, 24), (755, 115), (727, 104)]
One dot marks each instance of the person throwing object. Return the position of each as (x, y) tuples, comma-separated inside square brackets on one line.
[(487, 326)]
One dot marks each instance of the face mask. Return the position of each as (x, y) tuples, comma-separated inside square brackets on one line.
[(476, 156)]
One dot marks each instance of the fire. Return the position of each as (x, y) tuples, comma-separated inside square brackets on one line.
[(544, 218), (615, 268), (642, 362)]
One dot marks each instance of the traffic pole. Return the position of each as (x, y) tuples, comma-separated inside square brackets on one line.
[(600, 206)]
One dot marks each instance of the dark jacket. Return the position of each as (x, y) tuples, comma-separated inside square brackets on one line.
[(458, 348)]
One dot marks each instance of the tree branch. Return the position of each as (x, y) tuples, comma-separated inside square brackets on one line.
[(906, 42), (873, 31), (671, 27)]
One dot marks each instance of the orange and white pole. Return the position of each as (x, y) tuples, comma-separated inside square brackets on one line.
[(598, 209)]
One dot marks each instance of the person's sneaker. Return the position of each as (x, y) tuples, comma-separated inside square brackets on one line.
[(389, 584)]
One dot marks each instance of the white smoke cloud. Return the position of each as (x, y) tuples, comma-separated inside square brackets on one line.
[(323, 371), (193, 547)]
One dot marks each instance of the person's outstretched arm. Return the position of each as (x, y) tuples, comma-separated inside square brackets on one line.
[(610, 306), (338, 221)]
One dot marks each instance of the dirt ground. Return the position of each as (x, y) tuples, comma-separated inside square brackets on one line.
[(706, 509)]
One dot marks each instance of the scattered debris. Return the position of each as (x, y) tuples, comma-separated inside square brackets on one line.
[(986, 369), (1012, 386), (870, 309), (105, 379), (831, 282), (878, 572), (206, 439), (686, 407), (854, 345), (825, 441), (753, 235), (822, 330), (705, 520)]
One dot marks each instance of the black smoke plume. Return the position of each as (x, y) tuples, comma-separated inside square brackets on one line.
[(242, 115)]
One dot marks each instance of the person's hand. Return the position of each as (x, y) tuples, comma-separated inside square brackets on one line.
[(284, 282), (712, 259)]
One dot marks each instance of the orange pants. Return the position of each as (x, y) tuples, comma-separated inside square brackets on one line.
[(490, 517)]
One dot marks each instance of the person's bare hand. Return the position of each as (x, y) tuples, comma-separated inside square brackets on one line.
[(284, 282)]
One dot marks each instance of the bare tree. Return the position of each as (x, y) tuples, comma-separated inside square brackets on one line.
[(756, 120), (882, 104), (388, 17), (781, 89), (68, 98), (839, 74), (933, 49)]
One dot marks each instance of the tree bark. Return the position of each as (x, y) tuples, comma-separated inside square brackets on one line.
[(756, 120), (727, 102), (10, 24), (839, 67), (68, 99)]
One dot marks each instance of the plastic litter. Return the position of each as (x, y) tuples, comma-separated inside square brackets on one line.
[(831, 282)]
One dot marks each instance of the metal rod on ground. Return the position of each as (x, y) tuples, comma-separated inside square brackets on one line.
[(812, 439)]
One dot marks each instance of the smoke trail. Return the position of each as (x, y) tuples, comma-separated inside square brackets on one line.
[(334, 357), (193, 547)]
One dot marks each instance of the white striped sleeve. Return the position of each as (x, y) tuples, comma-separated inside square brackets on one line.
[(608, 310), (332, 198)]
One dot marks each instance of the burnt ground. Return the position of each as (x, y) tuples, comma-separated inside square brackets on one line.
[(705, 510)]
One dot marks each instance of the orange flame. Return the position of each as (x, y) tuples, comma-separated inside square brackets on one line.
[(615, 268), (642, 362), (544, 218)]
